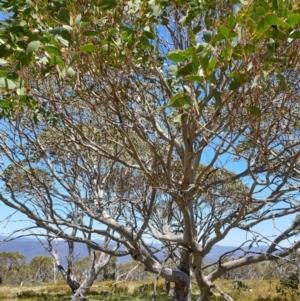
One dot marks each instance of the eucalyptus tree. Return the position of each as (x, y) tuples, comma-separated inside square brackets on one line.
[(28, 181), (174, 121), (11, 266), (42, 269)]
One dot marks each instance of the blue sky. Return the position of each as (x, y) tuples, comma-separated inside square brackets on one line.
[(2, 17)]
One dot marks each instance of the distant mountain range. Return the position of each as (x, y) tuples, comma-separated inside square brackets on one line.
[(31, 247)]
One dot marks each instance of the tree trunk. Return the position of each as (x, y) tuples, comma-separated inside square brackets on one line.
[(80, 294), (205, 294), (168, 286), (182, 290), (82, 291)]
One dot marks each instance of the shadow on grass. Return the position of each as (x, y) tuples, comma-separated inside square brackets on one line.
[(34, 296)]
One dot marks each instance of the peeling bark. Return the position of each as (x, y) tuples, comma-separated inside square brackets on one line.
[(182, 290), (81, 292)]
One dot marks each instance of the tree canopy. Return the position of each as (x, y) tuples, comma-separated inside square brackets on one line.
[(170, 121)]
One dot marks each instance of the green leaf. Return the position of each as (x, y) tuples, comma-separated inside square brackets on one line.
[(185, 70), (282, 23), (2, 50), (53, 42), (67, 36), (218, 37), (7, 83), (207, 35), (294, 19), (212, 78), (204, 62), (295, 34), (217, 97), (224, 30), (231, 74), (73, 60), (197, 29), (212, 63), (112, 32), (33, 46), (275, 4), (282, 82), (276, 34), (259, 12), (255, 111), (204, 49), (195, 78), (235, 84), (5, 104), (52, 49), (127, 32), (64, 15), (88, 48), (84, 22), (188, 18), (249, 48), (58, 30), (127, 29), (145, 42), (231, 20), (271, 20), (91, 33), (108, 4), (180, 100), (176, 56), (148, 33), (56, 60), (12, 75)]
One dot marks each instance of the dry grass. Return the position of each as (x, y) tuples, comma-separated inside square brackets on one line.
[(47, 291), (142, 290), (261, 290)]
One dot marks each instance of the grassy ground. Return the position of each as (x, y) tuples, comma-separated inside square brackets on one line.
[(143, 291)]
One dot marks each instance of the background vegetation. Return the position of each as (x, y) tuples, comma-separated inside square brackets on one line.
[(37, 280)]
